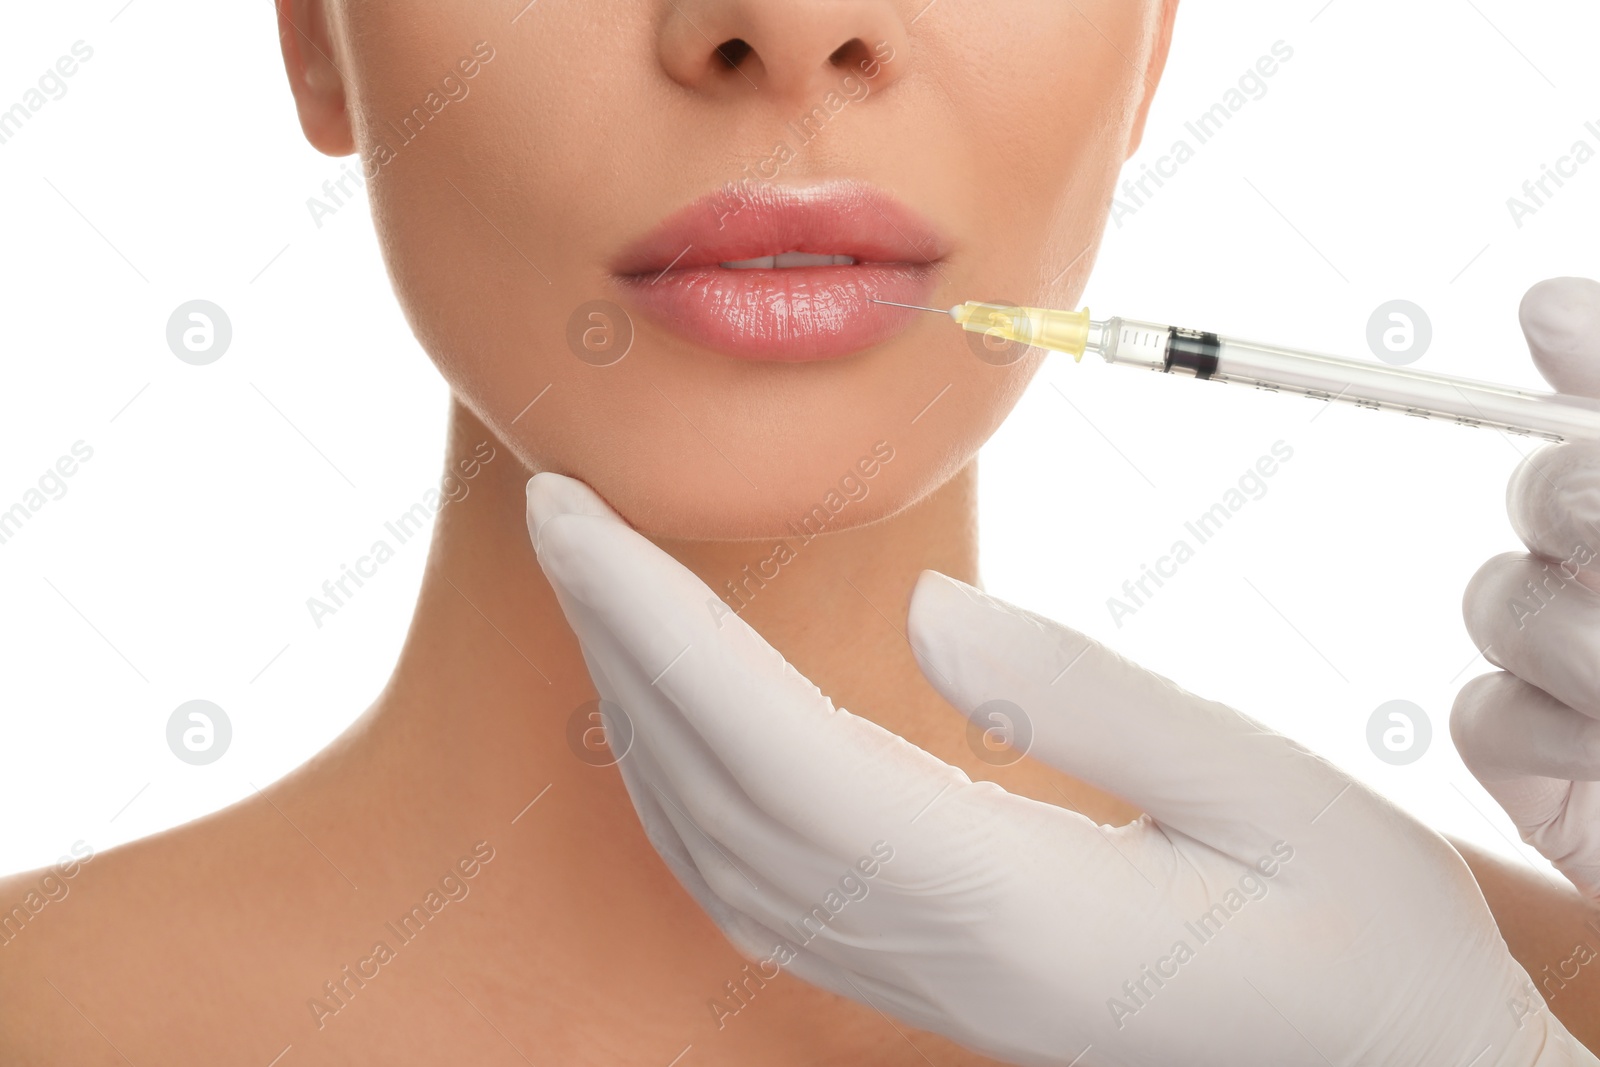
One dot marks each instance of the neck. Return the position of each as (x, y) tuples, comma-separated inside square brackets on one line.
[(490, 673), (478, 737)]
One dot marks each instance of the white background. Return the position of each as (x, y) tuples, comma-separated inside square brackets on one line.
[(178, 563)]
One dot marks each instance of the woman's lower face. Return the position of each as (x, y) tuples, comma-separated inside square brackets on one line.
[(558, 189)]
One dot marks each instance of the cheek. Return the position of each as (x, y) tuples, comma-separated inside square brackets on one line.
[(498, 217), (1047, 128)]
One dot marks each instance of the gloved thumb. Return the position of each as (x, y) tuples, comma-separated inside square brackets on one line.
[(1193, 764), (1561, 320)]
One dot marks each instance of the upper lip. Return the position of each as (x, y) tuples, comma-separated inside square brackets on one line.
[(753, 220)]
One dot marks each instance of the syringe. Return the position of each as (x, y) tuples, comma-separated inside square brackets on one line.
[(1197, 354)]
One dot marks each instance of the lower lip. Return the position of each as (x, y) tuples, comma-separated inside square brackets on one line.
[(785, 315)]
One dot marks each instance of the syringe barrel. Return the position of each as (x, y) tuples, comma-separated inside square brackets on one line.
[(1378, 386)]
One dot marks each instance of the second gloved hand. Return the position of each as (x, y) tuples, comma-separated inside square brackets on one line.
[(1531, 733), (1268, 910)]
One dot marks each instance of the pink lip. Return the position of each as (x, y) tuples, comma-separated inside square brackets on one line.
[(791, 314)]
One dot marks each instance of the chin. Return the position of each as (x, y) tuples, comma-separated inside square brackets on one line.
[(790, 478), (708, 505), (687, 444)]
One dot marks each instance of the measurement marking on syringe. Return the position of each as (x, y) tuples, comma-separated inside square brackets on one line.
[(1209, 356)]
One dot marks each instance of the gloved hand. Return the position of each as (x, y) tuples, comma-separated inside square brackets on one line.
[(1268, 910), (1531, 734)]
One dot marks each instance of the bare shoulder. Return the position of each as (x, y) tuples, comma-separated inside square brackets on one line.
[(204, 906), (27, 896), (34, 906)]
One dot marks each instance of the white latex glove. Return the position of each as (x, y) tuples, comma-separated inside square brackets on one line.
[(1531, 734), (1269, 910)]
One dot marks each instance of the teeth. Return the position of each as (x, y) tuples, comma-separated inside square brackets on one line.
[(789, 259)]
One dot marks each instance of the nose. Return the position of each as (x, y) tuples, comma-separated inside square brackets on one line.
[(794, 49)]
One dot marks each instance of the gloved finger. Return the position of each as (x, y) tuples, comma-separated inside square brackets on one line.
[(835, 779), (670, 838), (1554, 497), (878, 925), (1561, 320), (882, 931), (658, 830), (1192, 763), (1553, 500), (738, 885), (1533, 619), (1539, 760), (1508, 730), (551, 494), (752, 863), (752, 937), (712, 836), (839, 781), (759, 934), (638, 775), (750, 921)]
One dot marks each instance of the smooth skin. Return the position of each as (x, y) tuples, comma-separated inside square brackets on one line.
[(576, 945)]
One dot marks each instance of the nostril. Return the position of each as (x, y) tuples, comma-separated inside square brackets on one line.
[(733, 51), (852, 54)]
